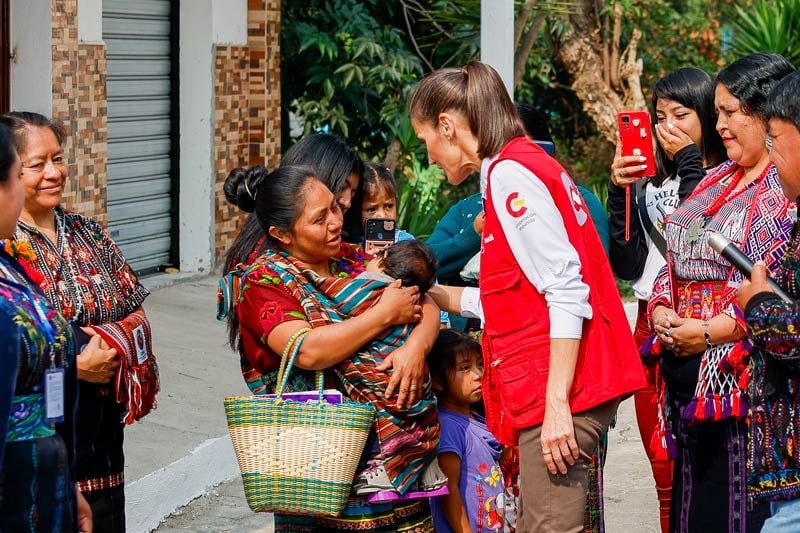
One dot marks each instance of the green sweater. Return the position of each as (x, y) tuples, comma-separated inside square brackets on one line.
[(454, 240)]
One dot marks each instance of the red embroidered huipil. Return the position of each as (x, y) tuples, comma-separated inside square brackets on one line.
[(517, 325)]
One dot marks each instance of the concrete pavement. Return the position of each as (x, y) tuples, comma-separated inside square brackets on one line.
[(181, 452), (630, 497), (182, 448)]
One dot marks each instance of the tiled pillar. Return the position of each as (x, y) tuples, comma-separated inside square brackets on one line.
[(80, 104), (247, 100)]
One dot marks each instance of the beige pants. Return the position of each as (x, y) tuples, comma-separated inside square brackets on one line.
[(556, 502)]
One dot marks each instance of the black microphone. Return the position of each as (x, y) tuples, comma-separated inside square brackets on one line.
[(741, 262)]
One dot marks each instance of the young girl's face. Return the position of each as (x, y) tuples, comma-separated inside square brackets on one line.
[(464, 381), (378, 203)]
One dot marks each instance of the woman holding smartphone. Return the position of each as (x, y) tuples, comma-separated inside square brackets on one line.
[(683, 106)]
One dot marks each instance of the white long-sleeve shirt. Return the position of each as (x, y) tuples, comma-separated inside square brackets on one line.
[(540, 245)]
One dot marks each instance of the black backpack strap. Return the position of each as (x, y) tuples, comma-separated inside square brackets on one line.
[(644, 216)]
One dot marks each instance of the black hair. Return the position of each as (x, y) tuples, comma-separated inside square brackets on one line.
[(376, 177), (412, 262), (8, 155), (18, 122), (332, 159), (783, 102), (692, 88), (276, 198), (534, 121), (751, 78), (443, 356)]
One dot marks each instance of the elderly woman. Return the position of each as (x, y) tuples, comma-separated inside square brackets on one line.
[(86, 278), (700, 329), (36, 492), (302, 222)]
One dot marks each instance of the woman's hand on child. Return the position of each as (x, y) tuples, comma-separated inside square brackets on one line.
[(672, 139), (400, 305), (408, 375)]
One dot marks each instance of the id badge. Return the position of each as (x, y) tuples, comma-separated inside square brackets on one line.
[(54, 395)]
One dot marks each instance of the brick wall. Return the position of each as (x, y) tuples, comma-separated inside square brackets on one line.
[(247, 101), (80, 104)]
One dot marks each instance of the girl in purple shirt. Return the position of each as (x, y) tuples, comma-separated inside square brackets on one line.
[(468, 453)]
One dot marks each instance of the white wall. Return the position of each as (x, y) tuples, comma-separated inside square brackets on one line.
[(230, 21), (497, 39), (32, 69), (196, 203), (203, 23), (90, 21)]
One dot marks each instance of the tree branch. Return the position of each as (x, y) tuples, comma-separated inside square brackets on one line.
[(524, 50), (521, 21), (630, 70), (413, 38), (613, 67), (606, 51)]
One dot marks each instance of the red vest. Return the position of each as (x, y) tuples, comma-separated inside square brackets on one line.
[(516, 342)]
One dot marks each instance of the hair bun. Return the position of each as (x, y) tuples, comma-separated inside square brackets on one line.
[(241, 186), (236, 191)]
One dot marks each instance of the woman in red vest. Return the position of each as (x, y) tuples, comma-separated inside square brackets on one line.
[(558, 349)]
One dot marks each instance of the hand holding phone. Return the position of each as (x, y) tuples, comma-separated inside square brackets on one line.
[(636, 139), (379, 234)]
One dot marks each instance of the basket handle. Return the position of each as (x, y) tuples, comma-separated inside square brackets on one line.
[(288, 358)]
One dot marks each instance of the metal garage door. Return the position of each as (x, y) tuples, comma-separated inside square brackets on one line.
[(141, 89)]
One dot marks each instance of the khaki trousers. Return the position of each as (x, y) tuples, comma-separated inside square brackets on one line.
[(555, 503)]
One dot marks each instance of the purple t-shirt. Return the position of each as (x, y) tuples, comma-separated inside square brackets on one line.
[(481, 483)]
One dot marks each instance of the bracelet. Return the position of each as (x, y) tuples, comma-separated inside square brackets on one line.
[(707, 335)]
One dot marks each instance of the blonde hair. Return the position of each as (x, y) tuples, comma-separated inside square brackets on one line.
[(477, 92)]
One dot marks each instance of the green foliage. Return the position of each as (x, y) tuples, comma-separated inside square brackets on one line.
[(767, 26), (422, 201), (347, 69)]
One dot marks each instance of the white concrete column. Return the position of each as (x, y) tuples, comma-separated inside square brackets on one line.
[(497, 38), (90, 21), (196, 202), (230, 21), (32, 63), (203, 24)]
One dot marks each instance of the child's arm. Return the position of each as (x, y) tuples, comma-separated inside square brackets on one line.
[(454, 508)]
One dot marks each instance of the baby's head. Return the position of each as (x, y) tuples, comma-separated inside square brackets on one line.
[(409, 261)]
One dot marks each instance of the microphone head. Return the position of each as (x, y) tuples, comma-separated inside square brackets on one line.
[(718, 242)]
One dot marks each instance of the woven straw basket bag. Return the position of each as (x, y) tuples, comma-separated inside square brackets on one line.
[(297, 457)]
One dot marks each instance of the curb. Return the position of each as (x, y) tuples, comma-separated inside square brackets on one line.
[(151, 499)]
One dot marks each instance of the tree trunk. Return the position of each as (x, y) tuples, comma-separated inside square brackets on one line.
[(590, 75), (525, 47), (599, 101), (393, 154)]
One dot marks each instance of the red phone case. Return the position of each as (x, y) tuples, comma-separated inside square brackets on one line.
[(637, 139)]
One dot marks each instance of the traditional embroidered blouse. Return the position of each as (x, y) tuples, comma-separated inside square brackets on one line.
[(87, 279), (773, 455), (41, 340), (85, 273)]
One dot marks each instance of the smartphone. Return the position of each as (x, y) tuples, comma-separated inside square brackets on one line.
[(378, 234), (636, 135)]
